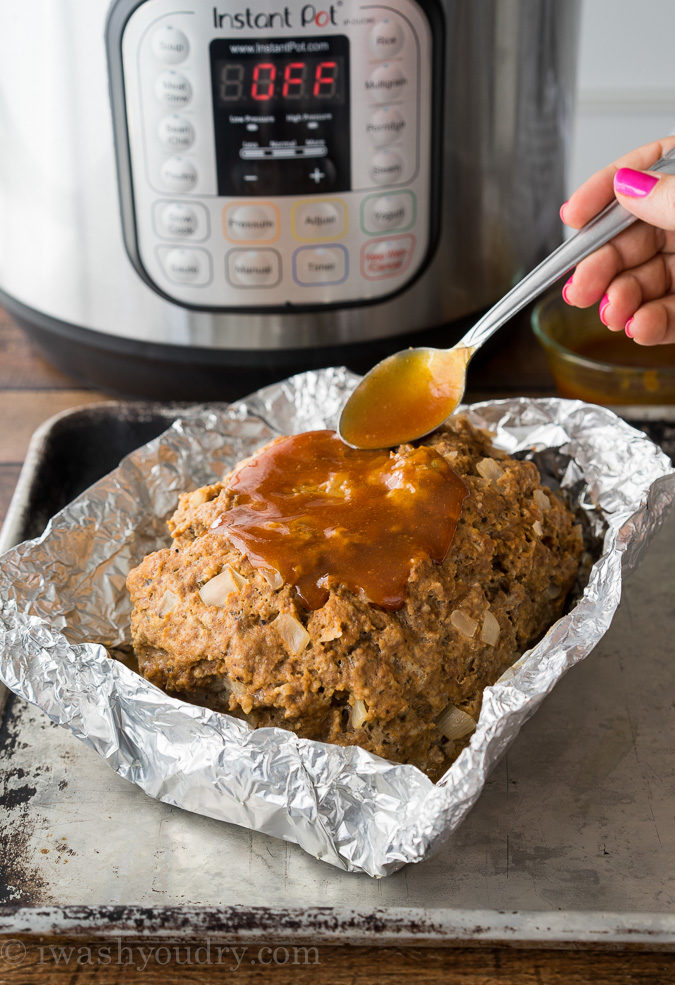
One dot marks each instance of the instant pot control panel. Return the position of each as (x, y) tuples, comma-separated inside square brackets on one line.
[(273, 155)]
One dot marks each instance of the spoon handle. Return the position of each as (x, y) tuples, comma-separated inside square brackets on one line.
[(604, 226)]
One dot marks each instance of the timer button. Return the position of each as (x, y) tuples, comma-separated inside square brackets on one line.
[(180, 220), (320, 265), (384, 212), (386, 38), (386, 167), (170, 45), (386, 83), (253, 268), (382, 258), (251, 223), (319, 220), (175, 132), (385, 125), (186, 266), (178, 175), (173, 89)]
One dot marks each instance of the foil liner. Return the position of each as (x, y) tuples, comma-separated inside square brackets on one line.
[(64, 606)]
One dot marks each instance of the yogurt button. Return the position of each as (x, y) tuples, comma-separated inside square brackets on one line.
[(186, 266), (178, 175), (253, 268), (318, 220), (385, 125), (388, 212), (250, 222), (173, 89), (176, 132), (386, 167), (169, 44), (386, 38), (387, 82)]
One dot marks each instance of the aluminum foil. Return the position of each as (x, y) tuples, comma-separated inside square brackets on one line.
[(64, 606)]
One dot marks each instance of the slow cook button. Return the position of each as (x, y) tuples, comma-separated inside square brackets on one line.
[(385, 125), (320, 265), (387, 82), (169, 44), (384, 212), (386, 167), (253, 268), (319, 220), (175, 132), (251, 223), (178, 220), (382, 258), (186, 266), (386, 38), (173, 89), (178, 175)]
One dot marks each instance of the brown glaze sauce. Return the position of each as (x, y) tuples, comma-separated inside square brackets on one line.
[(315, 509)]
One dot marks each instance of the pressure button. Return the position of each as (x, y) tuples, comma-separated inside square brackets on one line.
[(251, 223)]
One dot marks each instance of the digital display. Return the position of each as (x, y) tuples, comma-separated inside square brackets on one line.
[(281, 115)]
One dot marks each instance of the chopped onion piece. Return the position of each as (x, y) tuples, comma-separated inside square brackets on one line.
[(541, 499), (538, 529), (215, 591), (168, 603), (463, 623), (359, 713), (488, 468), (455, 723), (292, 632), (272, 577), (490, 629), (330, 634)]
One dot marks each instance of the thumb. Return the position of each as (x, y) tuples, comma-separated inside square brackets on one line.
[(648, 195)]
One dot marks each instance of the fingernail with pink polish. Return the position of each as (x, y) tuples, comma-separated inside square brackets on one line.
[(562, 211), (564, 291), (604, 301), (635, 184), (627, 328)]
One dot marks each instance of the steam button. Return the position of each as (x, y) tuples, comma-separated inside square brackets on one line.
[(386, 167), (173, 89), (186, 266), (175, 132), (386, 38), (387, 83), (385, 125), (170, 45)]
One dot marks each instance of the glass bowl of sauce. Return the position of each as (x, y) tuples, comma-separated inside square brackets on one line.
[(588, 362)]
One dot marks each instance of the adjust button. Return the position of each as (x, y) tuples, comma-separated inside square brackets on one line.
[(253, 268), (251, 223), (319, 220), (382, 258), (320, 265), (180, 220), (178, 175), (386, 83), (173, 89), (169, 44), (380, 213), (386, 38), (386, 167), (385, 125), (185, 266)]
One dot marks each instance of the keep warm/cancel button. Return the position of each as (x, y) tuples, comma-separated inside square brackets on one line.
[(386, 257)]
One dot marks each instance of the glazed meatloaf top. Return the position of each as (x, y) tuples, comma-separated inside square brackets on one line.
[(399, 683)]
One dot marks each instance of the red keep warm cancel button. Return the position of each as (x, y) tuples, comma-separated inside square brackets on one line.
[(388, 257)]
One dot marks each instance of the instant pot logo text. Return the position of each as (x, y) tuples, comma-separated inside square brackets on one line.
[(308, 16)]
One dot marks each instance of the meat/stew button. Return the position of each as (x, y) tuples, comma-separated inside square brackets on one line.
[(389, 257)]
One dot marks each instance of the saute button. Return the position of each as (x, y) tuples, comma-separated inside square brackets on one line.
[(323, 265), (250, 223), (386, 38), (386, 257), (385, 125), (384, 212), (170, 45), (176, 132), (173, 89), (178, 175), (319, 220), (253, 268), (387, 83), (178, 220), (386, 167), (186, 266)]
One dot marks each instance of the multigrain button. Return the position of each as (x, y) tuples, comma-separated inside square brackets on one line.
[(169, 44), (320, 265), (387, 82), (173, 89), (386, 167), (186, 266), (180, 220), (253, 268), (385, 125), (384, 212), (319, 220), (251, 223), (178, 174), (175, 132), (382, 258), (386, 38)]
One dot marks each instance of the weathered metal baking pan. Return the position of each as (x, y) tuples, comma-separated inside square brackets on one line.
[(572, 841)]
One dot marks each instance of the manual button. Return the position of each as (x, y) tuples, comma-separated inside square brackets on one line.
[(319, 220), (253, 268), (320, 265), (257, 223)]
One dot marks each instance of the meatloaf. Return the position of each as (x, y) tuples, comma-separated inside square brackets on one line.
[(406, 684)]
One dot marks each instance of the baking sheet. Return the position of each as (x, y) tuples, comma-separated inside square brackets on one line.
[(576, 819)]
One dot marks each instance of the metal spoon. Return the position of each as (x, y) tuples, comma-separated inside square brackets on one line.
[(409, 394)]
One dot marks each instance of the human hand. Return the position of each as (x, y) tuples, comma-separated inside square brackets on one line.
[(631, 278)]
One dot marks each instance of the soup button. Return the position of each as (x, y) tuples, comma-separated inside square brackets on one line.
[(390, 257)]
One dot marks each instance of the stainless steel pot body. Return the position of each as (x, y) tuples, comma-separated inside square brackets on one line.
[(508, 70)]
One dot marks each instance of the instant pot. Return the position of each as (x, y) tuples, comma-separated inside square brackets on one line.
[(198, 195)]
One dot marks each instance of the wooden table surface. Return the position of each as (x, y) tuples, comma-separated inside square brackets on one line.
[(31, 391)]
